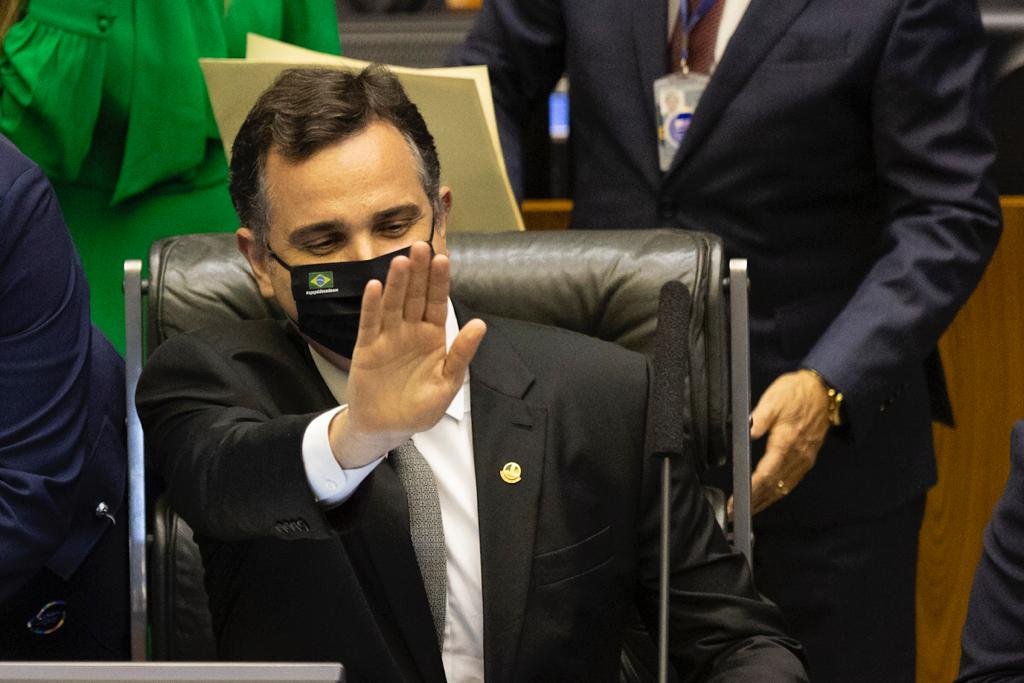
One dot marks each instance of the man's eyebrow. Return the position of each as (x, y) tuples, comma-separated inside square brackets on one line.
[(409, 210)]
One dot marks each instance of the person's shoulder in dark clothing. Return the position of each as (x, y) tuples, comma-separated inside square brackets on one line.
[(63, 564), (993, 635)]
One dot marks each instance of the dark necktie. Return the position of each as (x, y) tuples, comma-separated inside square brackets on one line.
[(425, 527), (701, 52)]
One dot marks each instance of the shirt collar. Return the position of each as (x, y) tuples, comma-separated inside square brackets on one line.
[(336, 379)]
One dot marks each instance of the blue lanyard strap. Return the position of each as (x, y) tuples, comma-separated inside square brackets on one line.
[(688, 22)]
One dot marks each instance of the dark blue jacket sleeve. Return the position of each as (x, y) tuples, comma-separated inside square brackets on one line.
[(993, 637), (44, 371), (934, 154)]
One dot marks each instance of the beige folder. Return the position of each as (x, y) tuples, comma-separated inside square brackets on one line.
[(455, 102)]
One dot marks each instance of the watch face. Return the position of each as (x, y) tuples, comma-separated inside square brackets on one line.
[(835, 405)]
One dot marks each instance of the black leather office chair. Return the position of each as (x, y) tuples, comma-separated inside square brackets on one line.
[(604, 284)]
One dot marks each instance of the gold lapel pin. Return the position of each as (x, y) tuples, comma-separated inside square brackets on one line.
[(511, 473)]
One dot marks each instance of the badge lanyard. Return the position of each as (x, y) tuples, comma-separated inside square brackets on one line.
[(676, 95), (688, 23)]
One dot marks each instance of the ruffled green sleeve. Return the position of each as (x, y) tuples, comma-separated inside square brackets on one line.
[(168, 136), (51, 81), (167, 116)]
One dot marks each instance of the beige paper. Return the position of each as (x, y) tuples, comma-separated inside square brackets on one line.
[(455, 102), (261, 48)]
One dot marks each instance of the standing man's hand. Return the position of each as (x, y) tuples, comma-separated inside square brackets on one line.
[(402, 378), (793, 412)]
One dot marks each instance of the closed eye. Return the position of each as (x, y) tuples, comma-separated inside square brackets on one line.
[(319, 238), (323, 245), (397, 228), (397, 220)]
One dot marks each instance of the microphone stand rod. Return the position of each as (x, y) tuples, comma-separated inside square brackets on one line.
[(666, 495)]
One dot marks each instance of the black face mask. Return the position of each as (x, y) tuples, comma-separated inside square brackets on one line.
[(329, 296)]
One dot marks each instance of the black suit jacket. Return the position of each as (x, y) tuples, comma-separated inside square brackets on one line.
[(994, 630), (567, 554), (839, 147)]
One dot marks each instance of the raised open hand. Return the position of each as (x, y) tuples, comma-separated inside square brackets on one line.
[(402, 378)]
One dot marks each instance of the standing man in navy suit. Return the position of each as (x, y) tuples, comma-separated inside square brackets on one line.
[(840, 148), (63, 543)]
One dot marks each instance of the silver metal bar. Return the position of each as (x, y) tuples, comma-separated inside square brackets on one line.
[(136, 459), (169, 671), (666, 522), (739, 340)]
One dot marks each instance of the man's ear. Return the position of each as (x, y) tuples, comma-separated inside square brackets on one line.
[(441, 226), (258, 260)]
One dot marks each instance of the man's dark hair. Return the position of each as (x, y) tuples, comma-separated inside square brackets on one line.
[(308, 109)]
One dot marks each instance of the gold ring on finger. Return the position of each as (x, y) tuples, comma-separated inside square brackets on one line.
[(781, 486)]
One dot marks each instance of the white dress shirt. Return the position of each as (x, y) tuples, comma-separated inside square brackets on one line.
[(448, 449), (732, 12)]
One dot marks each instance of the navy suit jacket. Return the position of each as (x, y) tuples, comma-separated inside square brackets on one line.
[(839, 147), (62, 444), (993, 637)]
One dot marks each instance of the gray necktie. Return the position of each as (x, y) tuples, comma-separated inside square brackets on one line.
[(425, 527)]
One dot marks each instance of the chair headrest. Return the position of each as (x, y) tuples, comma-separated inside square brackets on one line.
[(602, 283)]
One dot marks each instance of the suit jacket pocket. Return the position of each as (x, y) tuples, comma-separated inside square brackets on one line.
[(573, 560)]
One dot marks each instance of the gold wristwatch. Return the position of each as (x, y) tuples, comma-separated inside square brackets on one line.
[(834, 409)]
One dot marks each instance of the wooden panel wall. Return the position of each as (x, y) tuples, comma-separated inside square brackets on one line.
[(984, 356), (546, 214)]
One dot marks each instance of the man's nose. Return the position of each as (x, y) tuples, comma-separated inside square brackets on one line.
[(362, 249)]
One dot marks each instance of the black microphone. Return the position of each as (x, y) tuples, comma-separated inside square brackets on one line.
[(667, 415), (669, 407)]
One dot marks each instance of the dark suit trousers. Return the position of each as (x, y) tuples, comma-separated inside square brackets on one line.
[(849, 592)]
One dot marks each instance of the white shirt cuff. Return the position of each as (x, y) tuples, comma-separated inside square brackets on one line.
[(331, 485)]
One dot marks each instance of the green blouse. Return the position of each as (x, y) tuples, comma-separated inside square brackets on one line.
[(108, 98)]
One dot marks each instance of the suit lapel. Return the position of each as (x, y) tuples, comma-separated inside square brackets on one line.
[(650, 41), (760, 29), (384, 531), (505, 429)]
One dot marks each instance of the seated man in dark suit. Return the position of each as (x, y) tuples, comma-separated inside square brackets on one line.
[(371, 484), (63, 562), (993, 637)]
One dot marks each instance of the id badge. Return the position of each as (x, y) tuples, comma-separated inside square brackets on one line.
[(675, 99)]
